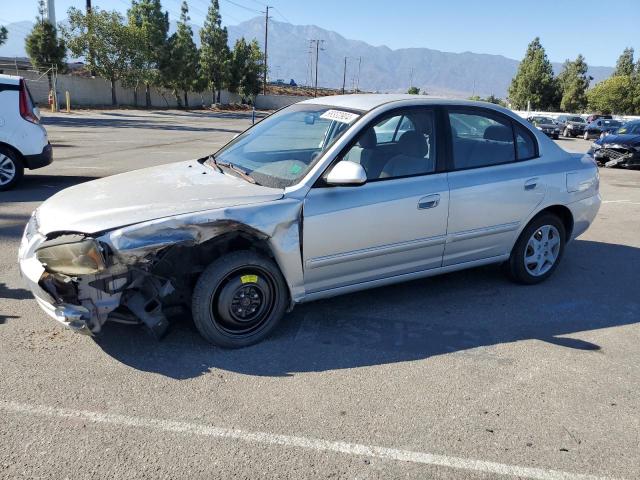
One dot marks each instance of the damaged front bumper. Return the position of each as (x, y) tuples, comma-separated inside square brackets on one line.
[(616, 156), (83, 318)]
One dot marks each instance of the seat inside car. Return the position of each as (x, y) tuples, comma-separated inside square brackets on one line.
[(367, 155), (411, 157)]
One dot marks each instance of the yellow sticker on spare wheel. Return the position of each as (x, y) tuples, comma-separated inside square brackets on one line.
[(249, 279)]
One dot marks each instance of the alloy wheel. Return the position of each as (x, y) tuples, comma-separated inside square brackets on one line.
[(7, 169), (543, 249)]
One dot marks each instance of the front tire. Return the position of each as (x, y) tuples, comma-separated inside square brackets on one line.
[(239, 299), (538, 250), (11, 169)]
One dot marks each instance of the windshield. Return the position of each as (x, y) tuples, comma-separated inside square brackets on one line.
[(630, 128), (281, 149), (576, 119), (542, 120)]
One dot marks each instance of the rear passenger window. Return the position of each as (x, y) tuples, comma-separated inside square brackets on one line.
[(480, 139), (525, 144)]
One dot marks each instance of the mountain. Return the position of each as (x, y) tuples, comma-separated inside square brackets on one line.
[(382, 69)]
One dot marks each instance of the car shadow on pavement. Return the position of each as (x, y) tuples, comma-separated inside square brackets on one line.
[(37, 187), (7, 292), (451, 314)]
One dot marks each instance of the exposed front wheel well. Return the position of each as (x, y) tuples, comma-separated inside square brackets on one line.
[(564, 214)]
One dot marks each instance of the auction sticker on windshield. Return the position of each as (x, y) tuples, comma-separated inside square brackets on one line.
[(339, 116)]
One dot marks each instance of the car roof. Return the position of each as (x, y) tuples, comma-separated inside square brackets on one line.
[(369, 101), (9, 79)]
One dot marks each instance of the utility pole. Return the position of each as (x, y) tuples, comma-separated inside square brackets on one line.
[(266, 39), (51, 12), (344, 75), (317, 42), (411, 78), (358, 81), (88, 8)]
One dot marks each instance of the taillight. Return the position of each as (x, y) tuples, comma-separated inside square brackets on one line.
[(26, 107)]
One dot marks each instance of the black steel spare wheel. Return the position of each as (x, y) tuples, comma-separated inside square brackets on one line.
[(239, 299), (243, 300)]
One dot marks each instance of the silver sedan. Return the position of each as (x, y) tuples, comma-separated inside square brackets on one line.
[(322, 198)]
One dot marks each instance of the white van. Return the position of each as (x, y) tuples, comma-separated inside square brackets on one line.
[(23, 141)]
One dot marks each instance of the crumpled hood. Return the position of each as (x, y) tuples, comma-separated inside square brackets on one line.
[(622, 139), (147, 194)]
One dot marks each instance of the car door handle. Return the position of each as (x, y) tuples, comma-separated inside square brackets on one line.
[(430, 201), (531, 184)]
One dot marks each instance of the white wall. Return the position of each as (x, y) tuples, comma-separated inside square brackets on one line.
[(275, 102), (96, 92)]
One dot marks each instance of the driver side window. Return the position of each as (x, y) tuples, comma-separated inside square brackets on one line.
[(397, 146)]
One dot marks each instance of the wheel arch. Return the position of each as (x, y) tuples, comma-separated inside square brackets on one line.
[(189, 260), (563, 213), (13, 149)]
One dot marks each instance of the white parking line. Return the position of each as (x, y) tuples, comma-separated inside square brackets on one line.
[(625, 202), (293, 441)]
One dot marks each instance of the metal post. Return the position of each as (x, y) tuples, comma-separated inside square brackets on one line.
[(51, 12), (315, 92), (253, 114), (266, 40), (68, 98)]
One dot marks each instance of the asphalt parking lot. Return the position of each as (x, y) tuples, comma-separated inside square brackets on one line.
[(460, 376)]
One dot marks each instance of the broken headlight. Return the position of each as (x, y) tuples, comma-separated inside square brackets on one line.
[(71, 257)]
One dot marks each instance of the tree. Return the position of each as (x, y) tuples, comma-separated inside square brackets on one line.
[(102, 38), (614, 95), (181, 70), (246, 67), (574, 82), (3, 34), (624, 65), (534, 82), (150, 25), (214, 51), (413, 91), (491, 99), (43, 46)]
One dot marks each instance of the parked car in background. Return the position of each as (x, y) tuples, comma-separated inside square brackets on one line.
[(619, 149), (547, 125), (23, 141), (307, 204), (601, 127), (596, 116), (571, 125)]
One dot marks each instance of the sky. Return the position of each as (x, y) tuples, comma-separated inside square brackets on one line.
[(502, 27)]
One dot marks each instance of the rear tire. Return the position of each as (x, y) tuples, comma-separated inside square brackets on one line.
[(239, 299), (538, 250), (11, 169)]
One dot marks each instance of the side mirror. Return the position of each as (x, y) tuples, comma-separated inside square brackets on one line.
[(346, 173)]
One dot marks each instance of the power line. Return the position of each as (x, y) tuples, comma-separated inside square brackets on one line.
[(282, 15), (243, 6)]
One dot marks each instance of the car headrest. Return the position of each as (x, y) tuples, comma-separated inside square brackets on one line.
[(413, 144), (498, 133), (368, 139)]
